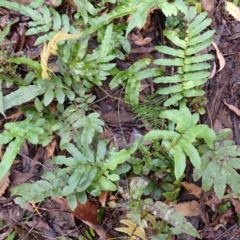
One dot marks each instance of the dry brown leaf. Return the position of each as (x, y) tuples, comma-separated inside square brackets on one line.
[(213, 72), (4, 183), (233, 108), (50, 148), (103, 198), (85, 212), (139, 40), (221, 59), (144, 41), (236, 204), (208, 6), (193, 189), (226, 217), (188, 209), (99, 230)]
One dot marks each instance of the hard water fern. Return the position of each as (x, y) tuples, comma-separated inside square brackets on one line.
[(85, 171), (219, 165), (191, 66), (180, 141)]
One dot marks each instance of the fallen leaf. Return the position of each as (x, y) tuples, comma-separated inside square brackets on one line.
[(221, 59), (103, 198), (236, 204), (99, 230), (233, 10), (233, 108), (4, 183), (50, 148), (226, 217), (85, 212), (139, 40), (188, 209), (193, 189), (208, 6), (213, 72)]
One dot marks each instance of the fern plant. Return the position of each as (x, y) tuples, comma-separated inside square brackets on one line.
[(191, 71), (90, 68), (85, 171), (44, 19), (131, 78), (219, 165), (180, 140), (15, 134)]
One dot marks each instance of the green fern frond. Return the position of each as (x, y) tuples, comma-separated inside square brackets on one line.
[(180, 142), (219, 165), (191, 69)]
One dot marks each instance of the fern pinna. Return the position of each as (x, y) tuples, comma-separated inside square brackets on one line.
[(191, 71)]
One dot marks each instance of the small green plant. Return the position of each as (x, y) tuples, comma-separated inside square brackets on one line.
[(132, 77), (180, 140), (86, 171), (219, 164)]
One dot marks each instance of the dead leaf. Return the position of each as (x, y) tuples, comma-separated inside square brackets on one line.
[(226, 217), (193, 189), (233, 108), (236, 204), (4, 183), (213, 72), (139, 40), (50, 148), (85, 212), (99, 230), (188, 209), (221, 59), (103, 198), (208, 6), (144, 41), (116, 117)]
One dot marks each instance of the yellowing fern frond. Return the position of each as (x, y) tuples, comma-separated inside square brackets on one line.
[(132, 230), (233, 10), (51, 48)]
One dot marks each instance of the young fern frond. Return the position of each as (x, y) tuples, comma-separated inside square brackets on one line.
[(192, 70)]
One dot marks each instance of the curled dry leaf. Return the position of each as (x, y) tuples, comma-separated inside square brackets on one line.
[(221, 59), (193, 189), (50, 148), (188, 209), (233, 108), (51, 48), (4, 183), (103, 198), (213, 72)]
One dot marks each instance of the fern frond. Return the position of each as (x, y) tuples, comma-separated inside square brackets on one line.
[(192, 70)]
